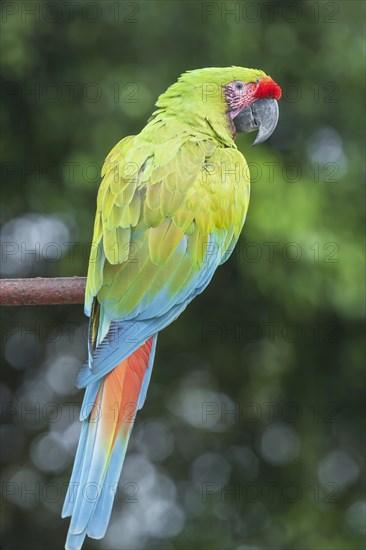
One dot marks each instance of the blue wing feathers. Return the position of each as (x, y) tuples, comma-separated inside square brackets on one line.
[(124, 337)]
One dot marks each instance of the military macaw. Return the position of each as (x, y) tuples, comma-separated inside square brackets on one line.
[(170, 208)]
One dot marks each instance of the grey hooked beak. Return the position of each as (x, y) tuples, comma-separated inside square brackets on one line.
[(261, 116)]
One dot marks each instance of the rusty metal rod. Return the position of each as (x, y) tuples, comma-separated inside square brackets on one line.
[(42, 292)]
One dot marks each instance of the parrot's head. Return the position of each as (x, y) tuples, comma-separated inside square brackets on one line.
[(252, 105), (226, 100)]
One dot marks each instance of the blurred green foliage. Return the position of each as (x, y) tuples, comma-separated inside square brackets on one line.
[(282, 321)]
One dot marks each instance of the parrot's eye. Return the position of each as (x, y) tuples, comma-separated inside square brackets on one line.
[(239, 86)]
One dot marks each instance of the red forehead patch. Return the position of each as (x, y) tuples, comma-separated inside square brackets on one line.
[(268, 89)]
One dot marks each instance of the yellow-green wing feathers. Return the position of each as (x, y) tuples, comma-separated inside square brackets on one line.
[(161, 198)]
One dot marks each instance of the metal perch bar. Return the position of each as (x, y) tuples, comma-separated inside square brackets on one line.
[(42, 292)]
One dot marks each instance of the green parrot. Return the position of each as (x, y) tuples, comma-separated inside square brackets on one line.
[(170, 208)]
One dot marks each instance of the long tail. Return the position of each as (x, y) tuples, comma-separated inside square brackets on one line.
[(103, 443)]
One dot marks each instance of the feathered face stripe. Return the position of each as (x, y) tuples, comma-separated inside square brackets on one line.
[(238, 94)]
